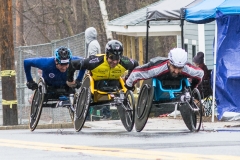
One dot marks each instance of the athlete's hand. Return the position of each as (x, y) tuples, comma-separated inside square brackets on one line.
[(78, 83), (32, 85), (71, 84), (130, 88)]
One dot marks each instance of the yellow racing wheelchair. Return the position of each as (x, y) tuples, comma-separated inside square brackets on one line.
[(112, 94)]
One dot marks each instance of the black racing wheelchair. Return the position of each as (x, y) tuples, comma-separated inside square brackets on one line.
[(154, 92), (45, 96), (97, 97)]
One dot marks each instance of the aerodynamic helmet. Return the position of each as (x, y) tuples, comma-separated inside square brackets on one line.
[(114, 49), (63, 55), (177, 57)]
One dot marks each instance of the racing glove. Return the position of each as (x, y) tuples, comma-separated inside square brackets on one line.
[(32, 85), (78, 83)]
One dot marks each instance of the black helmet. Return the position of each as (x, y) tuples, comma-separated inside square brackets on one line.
[(114, 49), (63, 55)]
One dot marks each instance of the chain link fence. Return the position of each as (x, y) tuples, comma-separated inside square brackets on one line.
[(49, 115)]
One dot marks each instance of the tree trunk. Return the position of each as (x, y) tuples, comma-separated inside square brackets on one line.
[(10, 116), (66, 21), (105, 18), (19, 23), (74, 6)]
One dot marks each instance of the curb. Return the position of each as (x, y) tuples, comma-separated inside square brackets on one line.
[(40, 126)]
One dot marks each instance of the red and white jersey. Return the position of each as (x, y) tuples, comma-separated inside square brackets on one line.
[(157, 67)]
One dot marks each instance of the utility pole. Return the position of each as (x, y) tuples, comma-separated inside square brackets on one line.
[(9, 99)]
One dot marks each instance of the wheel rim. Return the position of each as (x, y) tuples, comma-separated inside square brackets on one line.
[(82, 104), (196, 116), (36, 107), (129, 115), (144, 107), (141, 107)]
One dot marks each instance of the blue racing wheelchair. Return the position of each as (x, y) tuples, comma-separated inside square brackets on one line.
[(45, 96), (175, 91)]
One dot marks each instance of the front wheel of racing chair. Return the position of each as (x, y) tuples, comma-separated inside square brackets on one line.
[(127, 111), (82, 105), (36, 105), (192, 112), (71, 108), (144, 105)]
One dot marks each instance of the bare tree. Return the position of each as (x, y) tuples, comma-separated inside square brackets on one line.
[(19, 23), (46, 20), (105, 18)]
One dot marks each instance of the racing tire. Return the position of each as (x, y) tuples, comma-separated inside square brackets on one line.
[(36, 106), (144, 105), (127, 112), (70, 109), (193, 117), (82, 105)]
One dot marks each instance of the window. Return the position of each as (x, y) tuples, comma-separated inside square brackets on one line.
[(186, 47), (193, 50)]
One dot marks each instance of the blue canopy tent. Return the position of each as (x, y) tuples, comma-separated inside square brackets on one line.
[(226, 74)]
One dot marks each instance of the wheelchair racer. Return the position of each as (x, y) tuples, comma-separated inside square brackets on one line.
[(105, 69), (173, 67), (54, 70)]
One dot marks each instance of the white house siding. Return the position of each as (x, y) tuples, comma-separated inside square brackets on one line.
[(191, 35), (209, 37)]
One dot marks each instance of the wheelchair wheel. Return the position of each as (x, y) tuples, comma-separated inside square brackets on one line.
[(81, 109), (143, 106), (193, 117), (127, 111), (82, 105), (71, 113), (70, 109), (36, 106)]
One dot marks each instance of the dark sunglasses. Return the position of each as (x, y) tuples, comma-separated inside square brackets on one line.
[(113, 57)]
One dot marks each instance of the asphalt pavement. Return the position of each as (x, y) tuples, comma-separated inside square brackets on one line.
[(154, 123)]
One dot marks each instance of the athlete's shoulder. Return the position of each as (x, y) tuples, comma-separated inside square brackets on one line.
[(96, 58), (76, 57), (40, 59), (126, 60), (158, 59), (98, 55)]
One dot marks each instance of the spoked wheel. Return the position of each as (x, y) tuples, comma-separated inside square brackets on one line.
[(71, 113), (71, 109), (192, 112), (127, 111), (36, 106), (143, 106), (82, 105)]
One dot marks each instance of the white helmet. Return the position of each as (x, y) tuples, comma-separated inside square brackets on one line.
[(177, 57)]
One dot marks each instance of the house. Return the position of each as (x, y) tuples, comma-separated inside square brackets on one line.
[(197, 37)]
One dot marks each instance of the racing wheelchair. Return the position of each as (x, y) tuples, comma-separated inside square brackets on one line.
[(45, 96), (113, 95), (178, 92)]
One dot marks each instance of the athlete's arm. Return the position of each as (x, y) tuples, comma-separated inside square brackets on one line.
[(32, 62), (195, 73), (156, 67)]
